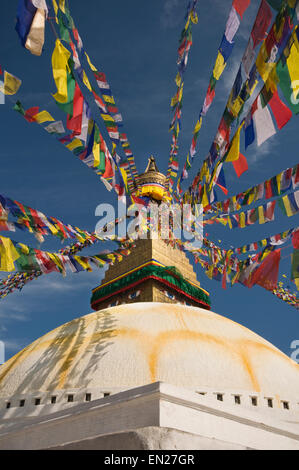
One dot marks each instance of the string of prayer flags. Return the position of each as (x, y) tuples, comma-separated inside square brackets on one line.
[(32, 263), (224, 52), (279, 184), (37, 222), (16, 282), (176, 101), (241, 93), (286, 295), (106, 103), (274, 240)]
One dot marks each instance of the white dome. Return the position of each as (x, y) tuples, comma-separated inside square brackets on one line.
[(131, 345)]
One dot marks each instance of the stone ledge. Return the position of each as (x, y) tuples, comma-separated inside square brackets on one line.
[(154, 405)]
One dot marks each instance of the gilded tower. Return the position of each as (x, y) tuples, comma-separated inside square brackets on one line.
[(155, 271)]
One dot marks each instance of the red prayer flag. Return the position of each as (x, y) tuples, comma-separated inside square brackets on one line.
[(262, 23), (240, 165), (269, 212), (266, 275), (30, 113), (281, 112), (74, 122), (295, 240), (241, 6), (268, 189)]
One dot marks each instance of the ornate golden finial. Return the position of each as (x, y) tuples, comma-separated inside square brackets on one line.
[(151, 166), (152, 183)]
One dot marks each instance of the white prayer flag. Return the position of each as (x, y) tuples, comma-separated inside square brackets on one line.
[(263, 123)]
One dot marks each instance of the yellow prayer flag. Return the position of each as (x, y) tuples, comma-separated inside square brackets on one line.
[(108, 99), (178, 80), (56, 260), (24, 248), (219, 66), (188, 22), (264, 63), (8, 255), (242, 220), (43, 116), (125, 177), (197, 126), (204, 199), (234, 151), (181, 93), (60, 67), (287, 206), (96, 153), (194, 17), (11, 84), (261, 215), (107, 117), (55, 6), (86, 82), (236, 106), (272, 81), (74, 144), (174, 100), (90, 64), (62, 5)]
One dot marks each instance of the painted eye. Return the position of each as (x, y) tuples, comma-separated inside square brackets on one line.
[(134, 295), (169, 295), (114, 304)]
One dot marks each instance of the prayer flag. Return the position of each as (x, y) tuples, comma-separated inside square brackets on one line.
[(8, 254), (234, 151), (61, 69), (11, 84), (43, 116), (240, 165), (241, 6), (232, 25), (266, 275), (281, 112), (36, 37), (25, 14), (262, 22), (263, 123)]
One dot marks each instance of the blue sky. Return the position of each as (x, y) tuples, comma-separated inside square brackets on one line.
[(135, 44)]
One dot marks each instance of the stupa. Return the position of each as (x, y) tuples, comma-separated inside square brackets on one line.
[(151, 368)]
